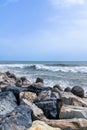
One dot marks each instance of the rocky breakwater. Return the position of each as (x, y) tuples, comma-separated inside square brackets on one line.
[(31, 106)]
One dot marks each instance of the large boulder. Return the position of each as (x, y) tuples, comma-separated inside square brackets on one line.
[(39, 125), (70, 99), (37, 112), (69, 124), (19, 119), (78, 91), (69, 112), (8, 102), (68, 89), (50, 107)]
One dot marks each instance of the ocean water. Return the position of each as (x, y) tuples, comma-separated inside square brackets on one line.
[(66, 74)]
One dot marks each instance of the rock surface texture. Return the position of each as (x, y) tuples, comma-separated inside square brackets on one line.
[(32, 106)]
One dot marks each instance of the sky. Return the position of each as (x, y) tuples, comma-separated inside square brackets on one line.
[(43, 30)]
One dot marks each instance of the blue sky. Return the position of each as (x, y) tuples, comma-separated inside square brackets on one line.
[(43, 30)]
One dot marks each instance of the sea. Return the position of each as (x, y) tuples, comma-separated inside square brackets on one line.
[(64, 73)]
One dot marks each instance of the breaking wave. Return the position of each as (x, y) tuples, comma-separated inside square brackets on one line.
[(42, 67)]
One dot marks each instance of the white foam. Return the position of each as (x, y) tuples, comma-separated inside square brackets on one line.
[(74, 69)]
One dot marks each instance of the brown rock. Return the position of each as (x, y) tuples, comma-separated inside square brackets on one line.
[(69, 124), (29, 96), (39, 125)]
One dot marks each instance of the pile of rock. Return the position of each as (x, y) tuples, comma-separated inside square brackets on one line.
[(26, 106)]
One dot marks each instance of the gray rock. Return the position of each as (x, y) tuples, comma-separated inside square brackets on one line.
[(69, 112), (68, 89), (39, 80), (50, 107), (19, 119), (78, 91), (8, 102)]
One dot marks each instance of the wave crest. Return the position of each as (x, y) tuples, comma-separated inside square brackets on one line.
[(42, 67)]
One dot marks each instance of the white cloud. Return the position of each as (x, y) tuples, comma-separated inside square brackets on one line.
[(66, 3)]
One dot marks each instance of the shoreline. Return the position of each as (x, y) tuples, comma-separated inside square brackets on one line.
[(28, 106)]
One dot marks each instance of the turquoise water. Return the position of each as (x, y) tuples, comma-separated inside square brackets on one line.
[(64, 73)]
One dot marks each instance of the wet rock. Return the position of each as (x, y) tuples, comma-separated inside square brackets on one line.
[(39, 125), (51, 108), (69, 112), (23, 79), (78, 91), (36, 89), (57, 86), (7, 102), (11, 75), (68, 89), (39, 84), (18, 83), (8, 73), (19, 119), (39, 80)]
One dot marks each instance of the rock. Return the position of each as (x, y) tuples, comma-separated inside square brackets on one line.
[(10, 75), (44, 95), (57, 86), (37, 89), (23, 79), (39, 125), (48, 94), (69, 124), (6, 80), (71, 99), (39, 84), (37, 112), (39, 80), (25, 82), (7, 102), (16, 91), (68, 89), (69, 112), (18, 83), (19, 119), (78, 91), (51, 107), (29, 96)]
